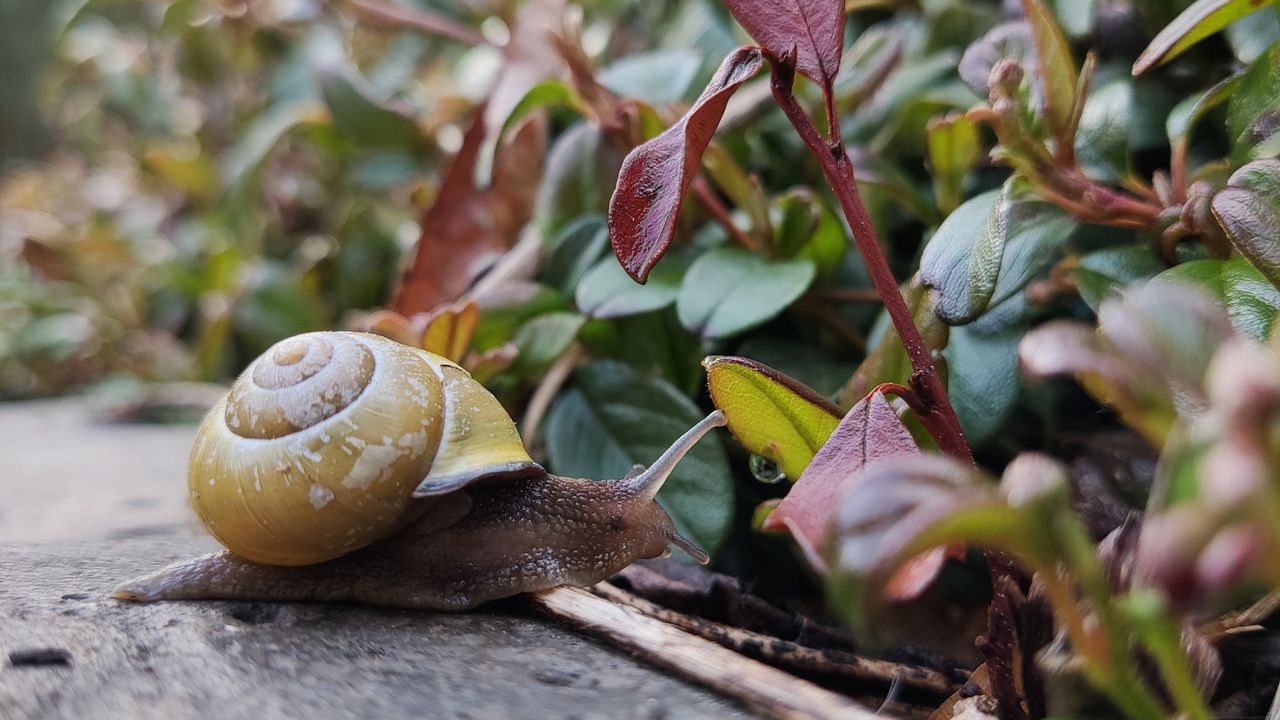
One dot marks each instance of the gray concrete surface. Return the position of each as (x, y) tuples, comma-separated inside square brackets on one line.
[(85, 505)]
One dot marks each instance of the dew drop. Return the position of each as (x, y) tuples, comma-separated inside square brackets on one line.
[(765, 470)]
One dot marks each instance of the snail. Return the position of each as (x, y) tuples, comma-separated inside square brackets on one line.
[(344, 466)]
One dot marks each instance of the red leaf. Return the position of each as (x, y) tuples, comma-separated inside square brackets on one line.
[(656, 175), (466, 225), (815, 28), (869, 432)]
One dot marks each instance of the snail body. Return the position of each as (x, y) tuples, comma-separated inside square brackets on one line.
[(348, 467)]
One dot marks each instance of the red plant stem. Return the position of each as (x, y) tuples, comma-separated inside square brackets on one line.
[(853, 295), (718, 212), (831, 154)]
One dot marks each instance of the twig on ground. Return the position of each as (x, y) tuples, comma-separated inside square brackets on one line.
[(761, 688), (789, 655)]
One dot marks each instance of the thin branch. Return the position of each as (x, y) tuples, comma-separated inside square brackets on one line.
[(765, 690), (707, 197), (834, 159), (853, 295), (403, 17), (788, 655)]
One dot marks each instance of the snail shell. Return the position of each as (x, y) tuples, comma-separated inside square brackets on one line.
[(325, 440)]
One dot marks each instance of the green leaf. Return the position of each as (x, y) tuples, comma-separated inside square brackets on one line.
[(982, 370), (1076, 17), (729, 290), (989, 249), (551, 93), (1102, 139), (615, 417), (806, 228), (962, 260), (954, 148), (771, 414), (1248, 209), (574, 250), (1250, 38), (364, 119), (1104, 273), (1251, 302), (659, 77), (544, 339), (264, 133), (1190, 110), (1202, 19), (1057, 68), (608, 292), (1253, 115)]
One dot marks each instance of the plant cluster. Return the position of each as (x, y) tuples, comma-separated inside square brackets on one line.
[(879, 233)]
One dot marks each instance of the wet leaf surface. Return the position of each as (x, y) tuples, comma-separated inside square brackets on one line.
[(771, 414)]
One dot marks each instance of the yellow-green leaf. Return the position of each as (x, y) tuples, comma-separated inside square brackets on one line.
[(771, 414), (1057, 69), (1202, 19)]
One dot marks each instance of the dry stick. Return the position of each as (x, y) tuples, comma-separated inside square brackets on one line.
[(761, 688), (785, 654), (834, 160)]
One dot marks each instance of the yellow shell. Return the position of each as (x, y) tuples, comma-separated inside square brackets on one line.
[(322, 443)]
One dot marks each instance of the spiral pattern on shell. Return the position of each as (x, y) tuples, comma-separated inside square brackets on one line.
[(317, 448)]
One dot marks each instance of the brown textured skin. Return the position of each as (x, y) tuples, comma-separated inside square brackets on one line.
[(489, 541)]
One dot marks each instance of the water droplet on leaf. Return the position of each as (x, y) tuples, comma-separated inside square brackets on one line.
[(766, 470)]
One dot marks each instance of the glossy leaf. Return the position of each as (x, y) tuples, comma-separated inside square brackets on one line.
[(544, 339), (806, 228), (1057, 68), (814, 28), (1253, 114), (1202, 19), (989, 249), (547, 94), (1184, 116), (574, 250), (447, 330), (870, 431), (1102, 139), (729, 290), (367, 121), (655, 176), (962, 260), (658, 78), (1102, 274), (953, 149), (606, 291), (1250, 301), (771, 414), (614, 417), (1248, 209), (982, 371)]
